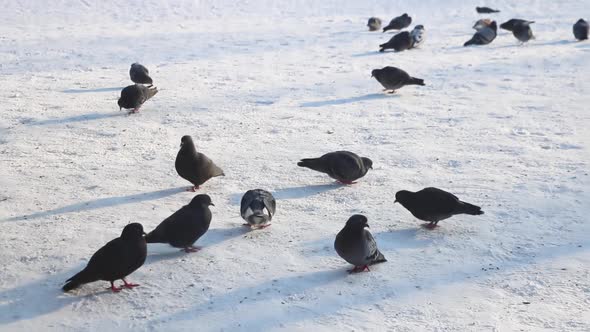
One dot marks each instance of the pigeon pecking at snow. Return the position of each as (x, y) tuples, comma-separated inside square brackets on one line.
[(433, 205), (115, 260), (399, 23), (581, 29), (484, 36), (511, 23), (486, 10), (185, 226), (393, 78), (194, 166), (257, 207), (523, 32), (400, 42), (133, 96), (140, 74), (344, 166), (355, 244)]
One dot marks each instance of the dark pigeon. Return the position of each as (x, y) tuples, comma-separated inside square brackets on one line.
[(343, 166), (581, 29), (355, 244), (486, 10), (400, 42), (257, 208), (399, 23), (115, 260), (393, 78), (185, 226), (523, 32), (433, 205), (484, 36), (133, 96), (509, 25), (140, 74), (194, 166), (374, 24)]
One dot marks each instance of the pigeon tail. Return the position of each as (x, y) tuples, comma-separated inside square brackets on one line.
[(155, 237), (76, 281), (471, 209), (415, 81), (379, 259), (469, 42), (151, 92), (313, 163)]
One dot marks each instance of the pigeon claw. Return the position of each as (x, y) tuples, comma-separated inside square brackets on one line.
[(357, 269), (191, 249), (429, 225), (128, 285), (193, 189), (114, 288), (347, 182)]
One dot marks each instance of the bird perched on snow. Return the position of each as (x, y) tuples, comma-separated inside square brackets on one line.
[(417, 35), (194, 166), (374, 24), (484, 36), (393, 78), (185, 226), (115, 260), (482, 23), (257, 207), (399, 23), (523, 32), (344, 166), (486, 10), (400, 42), (140, 74), (509, 25), (581, 29), (433, 205), (133, 96), (355, 244)]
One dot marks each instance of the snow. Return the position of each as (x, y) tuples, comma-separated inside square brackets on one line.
[(260, 84)]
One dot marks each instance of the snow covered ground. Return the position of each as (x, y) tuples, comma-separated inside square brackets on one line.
[(260, 84)]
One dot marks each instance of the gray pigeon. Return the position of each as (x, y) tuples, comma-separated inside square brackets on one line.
[(523, 32), (194, 166), (581, 29), (400, 42), (115, 260), (357, 246), (486, 10), (140, 74), (133, 96), (393, 78), (343, 166), (484, 36), (185, 226), (417, 35), (399, 23), (257, 208), (482, 23), (433, 205), (511, 23), (374, 24)]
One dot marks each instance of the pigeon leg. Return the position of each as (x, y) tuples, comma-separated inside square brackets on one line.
[(359, 269), (264, 226), (429, 225), (347, 182), (114, 288), (191, 249), (246, 225), (193, 189), (135, 110), (128, 285), (391, 92)]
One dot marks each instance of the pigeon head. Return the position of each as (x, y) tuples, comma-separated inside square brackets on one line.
[(403, 196), (119, 102), (494, 26), (581, 21), (186, 140), (201, 200), (133, 231), (375, 72), (357, 221), (419, 27), (367, 162), (405, 15)]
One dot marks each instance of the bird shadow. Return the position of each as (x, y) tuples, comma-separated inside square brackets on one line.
[(116, 88), (370, 96), (305, 191), (102, 203), (77, 118), (364, 54)]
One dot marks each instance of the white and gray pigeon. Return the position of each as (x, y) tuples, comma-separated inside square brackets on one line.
[(417, 35), (133, 96), (355, 244), (257, 207), (484, 36), (344, 166), (194, 166), (374, 24), (140, 74)]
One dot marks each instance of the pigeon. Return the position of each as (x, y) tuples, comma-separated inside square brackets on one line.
[(185, 226), (509, 25), (399, 23), (357, 246), (484, 36), (482, 23), (522, 31), (257, 208), (194, 166), (486, 10), (133, 96), (393, 78), (433, 205), (140, 74), (417, 35), (581, 29), (115, 260), (374, 24), (400, 42), (344, 166)]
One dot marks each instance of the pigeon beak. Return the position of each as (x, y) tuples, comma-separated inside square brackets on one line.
[(211, 204), (144, 233), (395, 201), (367, 225)]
